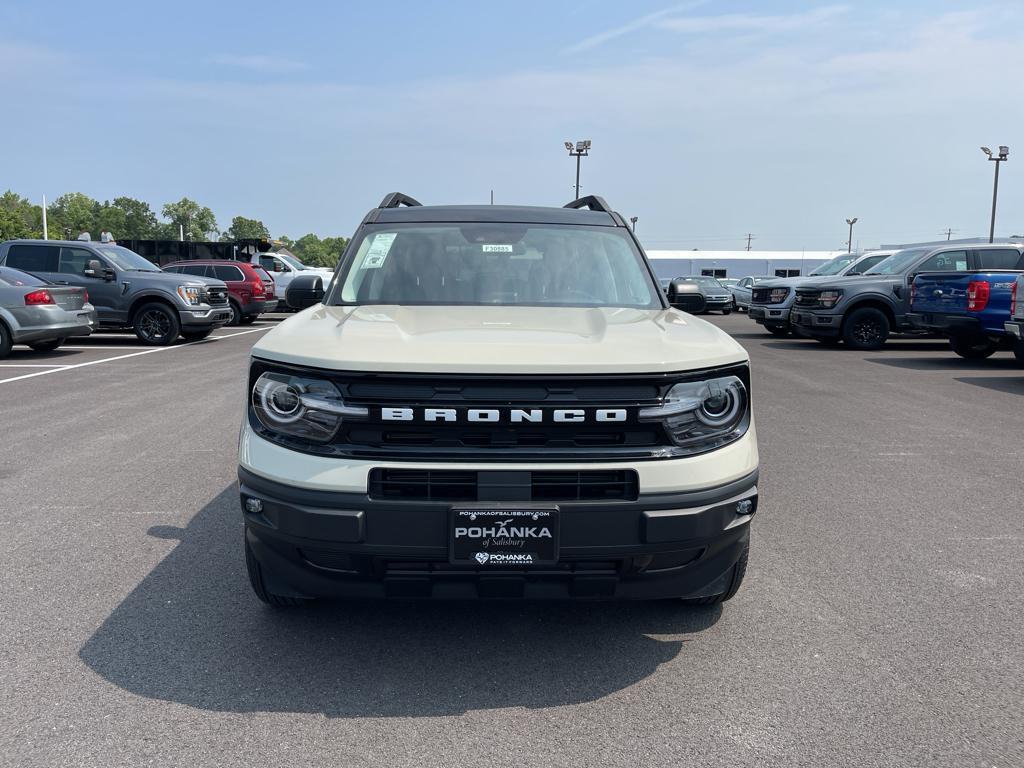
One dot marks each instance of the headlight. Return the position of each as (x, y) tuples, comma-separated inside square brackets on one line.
[(700, 416), (191, 294), (777, 295), (829, 299), (301, 407)]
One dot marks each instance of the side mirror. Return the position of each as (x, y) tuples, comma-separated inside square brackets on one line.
[(93, 268), (304, 291)]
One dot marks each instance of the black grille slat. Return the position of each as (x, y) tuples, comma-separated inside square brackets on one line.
[(544, 486), (806, 298)]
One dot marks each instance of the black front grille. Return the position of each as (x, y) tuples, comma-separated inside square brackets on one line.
[(216, 297), (536, 486), (763, 295), (806, 298)]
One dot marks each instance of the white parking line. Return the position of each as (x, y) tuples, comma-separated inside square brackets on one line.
[(125, 357), (29, 365)]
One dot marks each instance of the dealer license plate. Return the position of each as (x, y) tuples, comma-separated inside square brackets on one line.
[(495, 537)]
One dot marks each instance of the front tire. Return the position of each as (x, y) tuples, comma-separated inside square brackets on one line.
[(973, 347), (738, 572), (5, 341), (156, 324), (259, 587), (727, 310), (866, 329), (46, 346)]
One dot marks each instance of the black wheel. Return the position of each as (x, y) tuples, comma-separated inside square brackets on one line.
[(156, 324), (973, 347), (249, 319), (726, 310), (738, 572), (866, 328), (1018, 352), (735, 306), (830, 341), (5, 341), (777, 330), (252, 565), (46, 346), (196, 335), (236, 314)]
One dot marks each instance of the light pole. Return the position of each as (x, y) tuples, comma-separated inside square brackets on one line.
[(849, 243), (581, 149), (632, 220), (1003, 156)]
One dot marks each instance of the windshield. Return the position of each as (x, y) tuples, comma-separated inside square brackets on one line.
[(17, 277), (707, 282), (501, 264), (898, 262), (126, 260), (293, 263), (835, 266)]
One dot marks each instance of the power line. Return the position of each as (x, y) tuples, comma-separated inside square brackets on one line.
[(949, 232), (749, 238)]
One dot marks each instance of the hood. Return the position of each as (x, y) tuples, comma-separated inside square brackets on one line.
[(498, 339), (853, 282), (174, 278)]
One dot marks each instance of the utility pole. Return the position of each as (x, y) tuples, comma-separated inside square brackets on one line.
[(632, 220), (849, 242), (581, 149), (492, 197), (1002, 157), (749, 238), (948, 232)]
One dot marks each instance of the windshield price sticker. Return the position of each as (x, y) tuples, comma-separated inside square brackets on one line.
[(378, 250)]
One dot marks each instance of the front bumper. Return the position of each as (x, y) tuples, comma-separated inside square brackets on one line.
[(767, 314), (201, 318), (816, 323), (718, 302), (320, 533), (325, 544)]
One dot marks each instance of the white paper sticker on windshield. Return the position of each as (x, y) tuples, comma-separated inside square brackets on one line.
[(497, 248), (961, 266), (379, 249)]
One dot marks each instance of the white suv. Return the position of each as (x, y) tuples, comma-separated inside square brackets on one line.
[(495, 402)]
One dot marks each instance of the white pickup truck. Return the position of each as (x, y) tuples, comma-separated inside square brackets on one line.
[(283, 269)]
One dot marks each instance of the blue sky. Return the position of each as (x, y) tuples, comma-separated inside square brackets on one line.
[(708, 119)]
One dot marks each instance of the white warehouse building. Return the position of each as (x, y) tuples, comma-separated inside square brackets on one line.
[(669, 264)]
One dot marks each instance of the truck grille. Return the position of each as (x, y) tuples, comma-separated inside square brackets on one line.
[(762, 295), (806, 297), (457, 485), (216, 296)]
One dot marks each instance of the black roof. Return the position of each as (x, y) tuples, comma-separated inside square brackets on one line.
[(399, 208)]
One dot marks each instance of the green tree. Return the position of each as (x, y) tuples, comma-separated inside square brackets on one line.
[(138, 218), (12, 226), (315, 252), (245, 229), (197, 221), (19, 217), (75, 213)]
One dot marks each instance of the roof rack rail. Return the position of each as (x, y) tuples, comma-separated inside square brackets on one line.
[(591, 202), (397, 199)]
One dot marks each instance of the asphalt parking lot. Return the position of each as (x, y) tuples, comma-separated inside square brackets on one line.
[(879, 624)]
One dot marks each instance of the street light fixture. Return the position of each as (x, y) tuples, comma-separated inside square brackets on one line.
[(632, 220), (1003, 156), (581, 149), (849, 243)]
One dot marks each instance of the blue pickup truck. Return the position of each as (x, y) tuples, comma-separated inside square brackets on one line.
[(971, 303)]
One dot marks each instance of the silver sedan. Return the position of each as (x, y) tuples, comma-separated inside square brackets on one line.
[(41, 314)]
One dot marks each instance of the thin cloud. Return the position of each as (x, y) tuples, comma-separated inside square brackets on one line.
[(257, 63), (746, 22), (644, 21)]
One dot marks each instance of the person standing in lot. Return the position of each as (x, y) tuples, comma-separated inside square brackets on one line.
[(106, 237), (83, 235)]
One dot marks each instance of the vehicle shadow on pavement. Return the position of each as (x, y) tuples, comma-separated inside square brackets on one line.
[(1011, 384), (952, 362), (193, 633)]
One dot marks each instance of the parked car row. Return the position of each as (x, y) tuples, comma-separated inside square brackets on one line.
[(965, 293), (109, 286)]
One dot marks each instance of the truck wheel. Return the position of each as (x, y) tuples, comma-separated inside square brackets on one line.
[(5, 341), (236, 314), (1018, 352), (866, 328), (726, 310), (156, 324), (252, 565), (973, 347), (196, 335), (777, 330), (738, 572), (46, 346), (249, 319)]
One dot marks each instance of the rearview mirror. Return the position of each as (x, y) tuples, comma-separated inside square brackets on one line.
[(304, 291)]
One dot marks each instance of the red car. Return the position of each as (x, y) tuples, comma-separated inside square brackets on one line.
[(250, 288)]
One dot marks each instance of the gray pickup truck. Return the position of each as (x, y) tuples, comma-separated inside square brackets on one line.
[(127, 290), (862, 311)]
